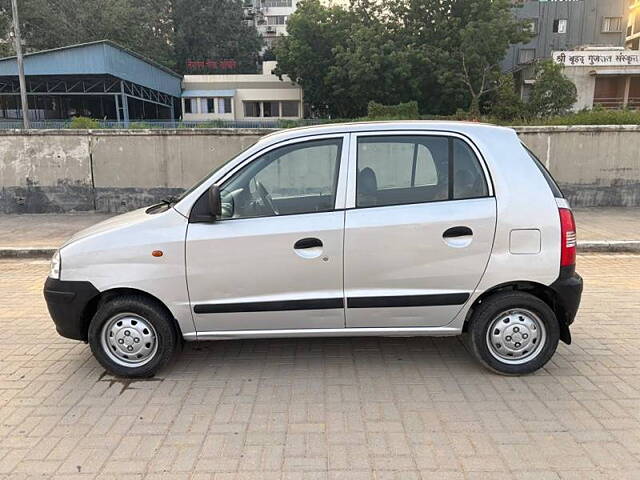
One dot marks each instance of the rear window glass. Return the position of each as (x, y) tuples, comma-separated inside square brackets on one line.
[(545, 173)]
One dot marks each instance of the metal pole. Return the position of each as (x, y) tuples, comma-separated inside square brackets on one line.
[(125, 105), (23, 83)]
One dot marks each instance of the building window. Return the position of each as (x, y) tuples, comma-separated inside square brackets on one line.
[(252, 109), (531, 26), (270, 109), (526, 55), (224, 105), (277, 20), (560, 26), (190, 105), (216, 105), (612, 24), (290, 109), (276, 3)]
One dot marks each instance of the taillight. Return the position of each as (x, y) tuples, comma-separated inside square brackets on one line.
[(568, 236)]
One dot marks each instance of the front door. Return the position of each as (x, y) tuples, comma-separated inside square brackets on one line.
[(420, 234), (275, 258)]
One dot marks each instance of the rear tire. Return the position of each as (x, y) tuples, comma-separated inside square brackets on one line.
[(513, 333), (132, 336)]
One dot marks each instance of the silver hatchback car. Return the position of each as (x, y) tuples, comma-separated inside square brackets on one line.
[(387, 229)]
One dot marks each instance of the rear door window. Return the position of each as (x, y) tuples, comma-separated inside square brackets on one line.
[(400, 170)]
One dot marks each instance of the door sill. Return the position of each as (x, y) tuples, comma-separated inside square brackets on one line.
[(325, 332)]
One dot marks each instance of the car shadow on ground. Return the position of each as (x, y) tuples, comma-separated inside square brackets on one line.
[(329, 360)]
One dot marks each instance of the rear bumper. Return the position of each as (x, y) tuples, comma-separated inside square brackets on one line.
[(67, 302), (568, 288)]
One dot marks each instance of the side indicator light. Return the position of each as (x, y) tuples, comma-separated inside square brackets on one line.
[(157, 253)]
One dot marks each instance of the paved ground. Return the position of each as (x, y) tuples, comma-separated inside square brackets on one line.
[(324, 408), (52, 230), (608, 223), (43, 230)]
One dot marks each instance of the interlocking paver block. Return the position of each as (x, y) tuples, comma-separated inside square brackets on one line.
[(363, 408)]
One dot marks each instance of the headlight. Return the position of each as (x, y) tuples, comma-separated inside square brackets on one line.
[(54, 271)]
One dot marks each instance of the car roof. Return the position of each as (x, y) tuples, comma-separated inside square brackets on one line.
[(465, 128)]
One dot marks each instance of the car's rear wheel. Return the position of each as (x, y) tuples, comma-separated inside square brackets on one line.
[(513, 333), (132, 336)]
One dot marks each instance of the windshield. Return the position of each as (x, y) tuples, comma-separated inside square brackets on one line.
[(208, 175)]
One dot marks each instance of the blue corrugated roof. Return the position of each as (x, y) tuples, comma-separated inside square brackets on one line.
[(97, 58), (208, 93)]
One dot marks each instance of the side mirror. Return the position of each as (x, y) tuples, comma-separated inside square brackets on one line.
[(215, 201)]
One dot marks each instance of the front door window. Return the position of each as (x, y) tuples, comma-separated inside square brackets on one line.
[(293, 179)]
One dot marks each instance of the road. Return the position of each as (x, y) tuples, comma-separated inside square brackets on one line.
[(324, 408)]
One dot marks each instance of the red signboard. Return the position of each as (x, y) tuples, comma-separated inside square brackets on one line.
[(221, 66)]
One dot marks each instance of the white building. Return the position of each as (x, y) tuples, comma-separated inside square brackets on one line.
[(609, 78), (270, 17), (261, 97)]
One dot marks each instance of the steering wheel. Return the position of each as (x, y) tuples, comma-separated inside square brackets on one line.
[(266, 197)]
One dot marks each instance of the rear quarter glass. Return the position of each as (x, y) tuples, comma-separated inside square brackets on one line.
[(545, 173)]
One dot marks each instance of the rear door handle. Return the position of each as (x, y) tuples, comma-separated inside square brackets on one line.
[(305, 243), (455, 232)]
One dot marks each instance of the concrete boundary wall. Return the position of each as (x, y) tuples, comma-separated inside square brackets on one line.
[(114, 171), (594, 165)]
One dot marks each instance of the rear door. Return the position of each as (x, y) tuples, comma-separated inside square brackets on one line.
[(419, 231)]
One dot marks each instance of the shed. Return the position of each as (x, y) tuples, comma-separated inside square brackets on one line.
[(100, 79)]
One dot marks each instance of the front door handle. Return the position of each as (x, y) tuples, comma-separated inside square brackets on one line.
[(455, 232), (305, 243)]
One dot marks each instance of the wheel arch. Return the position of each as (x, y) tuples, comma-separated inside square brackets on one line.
[(543, 292), (92, 307)]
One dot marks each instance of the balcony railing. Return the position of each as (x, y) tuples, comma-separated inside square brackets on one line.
[(617, 103)]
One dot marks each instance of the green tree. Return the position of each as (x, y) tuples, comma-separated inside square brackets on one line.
[(486, 29), (464, 41), (167, 31), (507, 104), (307, 54), (553, 93), (6, 42), (214, 29), (371, 66), (141, 25), (429, 28)]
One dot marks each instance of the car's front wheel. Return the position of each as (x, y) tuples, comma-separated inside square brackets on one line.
[(513, 333), (132, 336)]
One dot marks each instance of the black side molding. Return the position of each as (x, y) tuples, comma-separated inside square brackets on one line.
[(333, 303), (435, 300), (277, 306)]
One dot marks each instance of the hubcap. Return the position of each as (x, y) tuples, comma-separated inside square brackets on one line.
[(516, 336), (129, 340)]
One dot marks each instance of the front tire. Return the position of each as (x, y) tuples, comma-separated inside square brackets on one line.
[(513, 333), (132, 336)]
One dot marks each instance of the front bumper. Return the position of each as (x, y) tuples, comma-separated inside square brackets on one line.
[(67, 303), (568, 289)]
